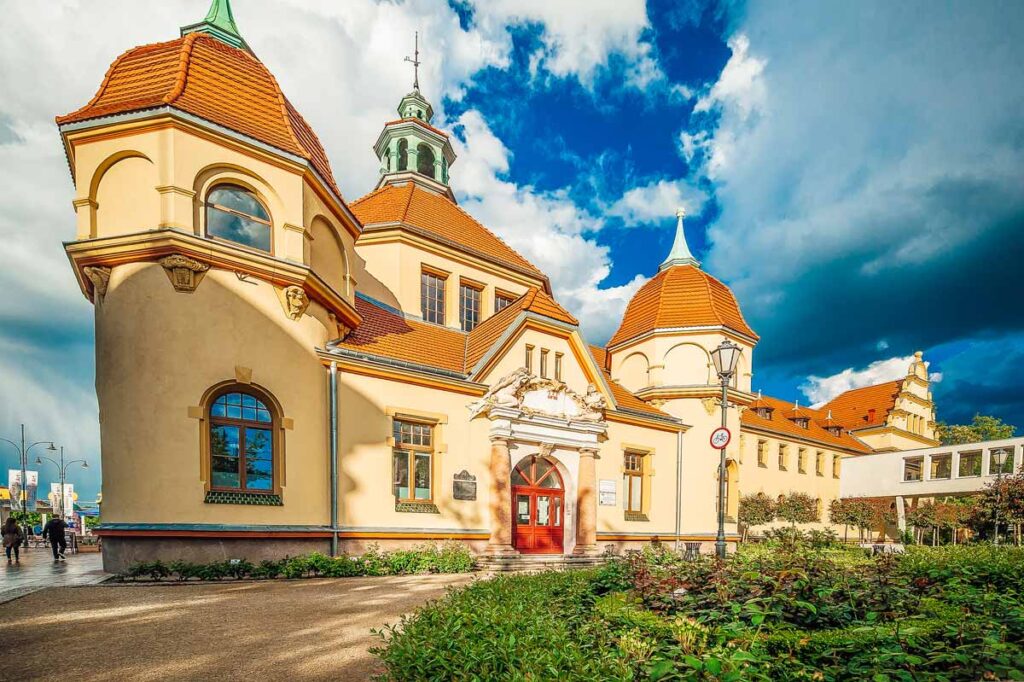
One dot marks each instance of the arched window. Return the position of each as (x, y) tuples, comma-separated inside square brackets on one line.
[(403, 155), (242, 444), (425, 160), (236, 215)]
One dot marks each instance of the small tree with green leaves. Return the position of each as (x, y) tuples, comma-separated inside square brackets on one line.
[(981, 428), (797, 508), (848, 512), (921, 517), (755, 510)]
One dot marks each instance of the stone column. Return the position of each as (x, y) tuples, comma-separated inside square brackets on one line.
[(501, 498), (586, 513)]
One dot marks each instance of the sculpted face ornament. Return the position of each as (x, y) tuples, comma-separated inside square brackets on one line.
[(296, 302)]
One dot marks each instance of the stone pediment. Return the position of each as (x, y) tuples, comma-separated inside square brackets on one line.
[(534, 395)]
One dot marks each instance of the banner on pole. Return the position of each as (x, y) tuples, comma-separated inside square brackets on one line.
[(14, 486), (31, 488)]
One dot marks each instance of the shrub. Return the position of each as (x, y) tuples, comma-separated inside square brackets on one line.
[(451, 557), (524, 627), (766, 613)]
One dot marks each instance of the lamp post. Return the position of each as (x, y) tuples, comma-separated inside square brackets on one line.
[(23, 461), (1000, 457), (725, 357), (63, 469)]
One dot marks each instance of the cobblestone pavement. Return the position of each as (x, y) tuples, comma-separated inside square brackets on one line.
[(37, 570), (273, 630)]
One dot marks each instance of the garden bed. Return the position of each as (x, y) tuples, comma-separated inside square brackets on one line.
[(450, 557), (773, 612)]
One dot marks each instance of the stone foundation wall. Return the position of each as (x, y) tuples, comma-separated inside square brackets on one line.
[(121, 552)]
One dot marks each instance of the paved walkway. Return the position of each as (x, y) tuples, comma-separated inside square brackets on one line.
[(37, 570), (274, 630)]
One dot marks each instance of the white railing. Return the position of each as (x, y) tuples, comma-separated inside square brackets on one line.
[(943, 470)]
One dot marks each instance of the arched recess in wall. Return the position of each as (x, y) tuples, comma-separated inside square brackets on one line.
[(230, 174), (635, 372), (124, 189), (403, 154), (686, 364), (327, 255), (425, 160)]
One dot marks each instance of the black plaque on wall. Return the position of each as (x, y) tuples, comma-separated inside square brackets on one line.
[(464, 486)]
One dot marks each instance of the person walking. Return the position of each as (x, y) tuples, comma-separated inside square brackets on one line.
[(54, 530), (13, 537)]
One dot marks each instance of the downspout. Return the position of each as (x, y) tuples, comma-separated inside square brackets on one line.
[(333, 407), (679, 485)]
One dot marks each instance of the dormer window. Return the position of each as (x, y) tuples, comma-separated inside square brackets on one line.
[(802, 422), (764, 412), (235, 214), (836, 431)]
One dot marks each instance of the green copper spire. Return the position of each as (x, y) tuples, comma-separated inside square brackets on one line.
[(680, 253), (219, 23)]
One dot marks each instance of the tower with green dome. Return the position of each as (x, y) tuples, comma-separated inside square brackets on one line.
[(409, 148)]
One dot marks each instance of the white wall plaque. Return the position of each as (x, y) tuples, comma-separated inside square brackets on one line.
[(606, 492)]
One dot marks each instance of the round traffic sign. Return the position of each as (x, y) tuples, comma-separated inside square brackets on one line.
[(720, 437)]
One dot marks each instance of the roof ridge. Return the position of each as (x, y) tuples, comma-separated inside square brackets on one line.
[(184, 60), (283, 102), (739, 310), (711, 298), (408, 201)]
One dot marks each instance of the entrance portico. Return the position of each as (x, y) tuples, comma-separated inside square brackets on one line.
[(544, 440)]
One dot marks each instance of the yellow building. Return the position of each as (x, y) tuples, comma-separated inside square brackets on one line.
[(280, 370)]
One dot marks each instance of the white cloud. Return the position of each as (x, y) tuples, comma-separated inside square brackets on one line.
[(578, 35), (657, 202), (740, 85), (858, 147), (546, 227), (820, 390)]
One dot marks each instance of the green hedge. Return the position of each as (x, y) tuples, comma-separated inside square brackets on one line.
[(451, 557), (770, 613)]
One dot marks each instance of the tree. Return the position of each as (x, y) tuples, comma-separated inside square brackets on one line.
[(981, 428), (1002, 499), (924, 515), (844, 511), (755, 510), (797, 508)]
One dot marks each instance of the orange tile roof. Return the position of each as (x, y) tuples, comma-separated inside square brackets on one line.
[(202, 76), (860, 408), (389, 334), (487, 332), (623, 397), (787, 428), (681, 296), (441, 219)]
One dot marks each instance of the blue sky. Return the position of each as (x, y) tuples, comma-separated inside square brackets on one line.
[(852, 170)]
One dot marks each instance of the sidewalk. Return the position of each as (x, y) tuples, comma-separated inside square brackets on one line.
[(37, 570)]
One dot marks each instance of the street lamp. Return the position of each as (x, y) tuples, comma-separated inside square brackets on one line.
[(725, 358), (999, 457), (23, 461), (63, 469)]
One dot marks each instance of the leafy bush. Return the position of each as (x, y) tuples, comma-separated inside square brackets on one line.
[(522, 627), (766, 613), (451, 557)]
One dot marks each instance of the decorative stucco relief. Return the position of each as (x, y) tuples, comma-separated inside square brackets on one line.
[(185, 273), (99, 276), (295, 302), (548, 397)]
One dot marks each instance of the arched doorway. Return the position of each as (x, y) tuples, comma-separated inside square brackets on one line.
[(538, 504)]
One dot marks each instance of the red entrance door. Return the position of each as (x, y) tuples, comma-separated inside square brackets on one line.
[(538, 499)]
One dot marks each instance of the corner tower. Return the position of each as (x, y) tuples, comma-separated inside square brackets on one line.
[(215, 247), (410, 148)]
